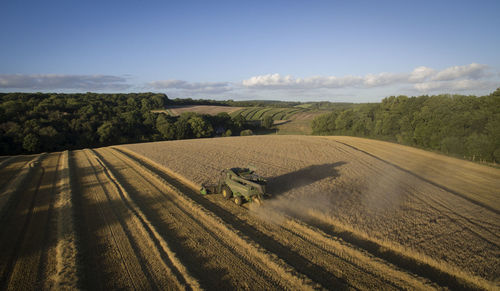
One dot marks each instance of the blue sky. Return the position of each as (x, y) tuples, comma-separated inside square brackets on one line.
[(353, 51)]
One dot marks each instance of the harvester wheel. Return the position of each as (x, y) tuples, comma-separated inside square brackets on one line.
[(257, 200), (238, 200), (226, 192)]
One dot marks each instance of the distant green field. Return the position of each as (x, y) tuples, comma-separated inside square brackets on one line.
[(258, 113)]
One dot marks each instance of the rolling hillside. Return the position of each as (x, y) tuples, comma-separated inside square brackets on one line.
[(345, 213)]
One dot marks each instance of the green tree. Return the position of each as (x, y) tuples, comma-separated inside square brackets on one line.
[(50, 138), (239, 122), (325, 123), (182, 129), (108, 133), (200, 127), (166, 128), (479, 147), (344, 121), (31, 143), (246, 132)]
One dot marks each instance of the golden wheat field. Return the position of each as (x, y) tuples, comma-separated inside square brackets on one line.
[(345, 213)]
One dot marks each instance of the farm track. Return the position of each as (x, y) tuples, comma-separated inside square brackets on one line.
[(323, 259)]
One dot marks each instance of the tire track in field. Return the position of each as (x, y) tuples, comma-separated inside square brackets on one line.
[(320, 263), (65, 271), (24, 268), (390, 274), (223, 233), (157, 273), (16, 175), (110, 259), (6, 161), (46, 264), (169, 258), (14, 230)]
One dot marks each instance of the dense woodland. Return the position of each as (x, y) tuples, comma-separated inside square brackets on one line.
[(463, 126), (38, 122)]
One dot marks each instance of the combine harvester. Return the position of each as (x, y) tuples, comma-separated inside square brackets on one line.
[(240, 184)]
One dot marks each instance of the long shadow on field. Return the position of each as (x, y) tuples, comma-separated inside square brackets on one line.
[(26, 223), (199, 263), (305, 176)]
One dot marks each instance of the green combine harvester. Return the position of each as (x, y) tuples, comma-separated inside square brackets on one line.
[(240, 184)]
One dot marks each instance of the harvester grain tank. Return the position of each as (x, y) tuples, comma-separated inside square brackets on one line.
[(240, 184)]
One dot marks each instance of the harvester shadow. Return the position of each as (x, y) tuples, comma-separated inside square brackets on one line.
[(281, 184)]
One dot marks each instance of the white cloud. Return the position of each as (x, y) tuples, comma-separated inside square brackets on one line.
[(276, 81), (472, 71), (454, 78), (454, 86), (58, 82), (199, 87), (472, 79), (383, 79), (420, 74)]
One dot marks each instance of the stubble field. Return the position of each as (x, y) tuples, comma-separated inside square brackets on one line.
[(345, 213)]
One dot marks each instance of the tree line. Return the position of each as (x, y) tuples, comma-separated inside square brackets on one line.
[(39, 122), (463, 126)]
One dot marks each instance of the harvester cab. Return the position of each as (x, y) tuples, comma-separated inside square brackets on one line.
[(240, 184)]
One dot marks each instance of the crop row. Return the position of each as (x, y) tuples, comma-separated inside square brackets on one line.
[(257, 113)]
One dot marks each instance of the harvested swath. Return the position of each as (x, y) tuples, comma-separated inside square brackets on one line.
[(109, 258), (357, 256), (320, 175), (66, 270), (158, 244), (417, 263)]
